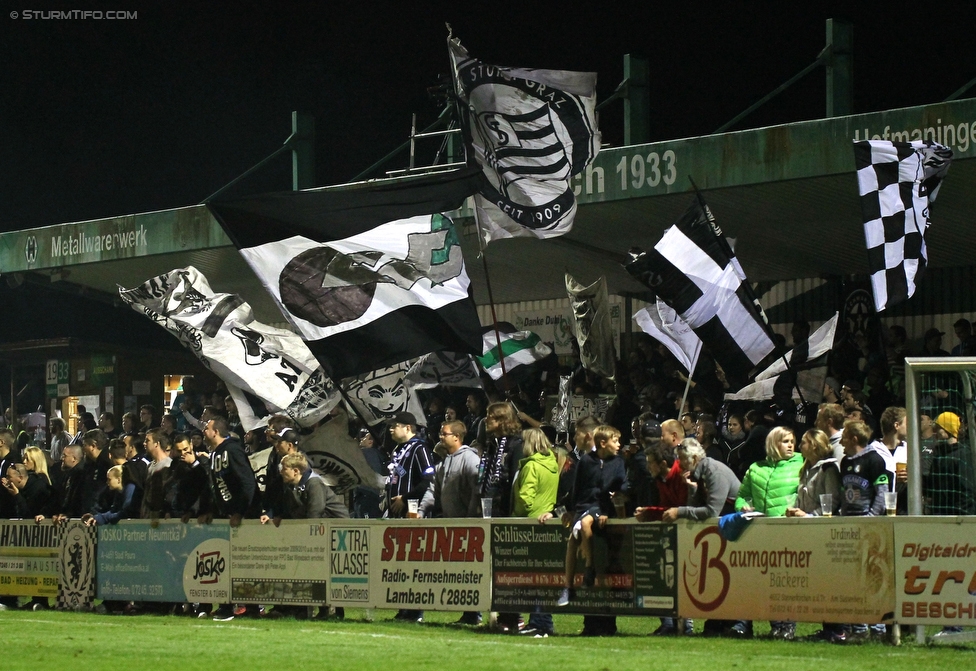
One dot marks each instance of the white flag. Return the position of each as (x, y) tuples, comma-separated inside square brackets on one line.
[(379, 395), (662, 323), (267, 370), (444, 369), (807, 361), (530, 131)]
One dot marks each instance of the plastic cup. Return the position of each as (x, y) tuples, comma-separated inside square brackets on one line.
[(891, 503), (486, 507), (827, 505), (413, 506)]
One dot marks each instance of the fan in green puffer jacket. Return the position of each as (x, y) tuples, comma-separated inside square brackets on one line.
[(538, 477), (771, 484)]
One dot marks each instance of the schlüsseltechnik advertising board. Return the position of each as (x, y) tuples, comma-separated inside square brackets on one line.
[(935, 571), (635, 566), (803, 569)]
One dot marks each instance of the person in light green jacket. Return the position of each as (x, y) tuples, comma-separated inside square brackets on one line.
[(534, 494), (771, 484), (538, 478)]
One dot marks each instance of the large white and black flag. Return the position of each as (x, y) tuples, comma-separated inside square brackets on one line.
[(267, 370), (529, 131), (694, 270), (369, 277), (897, 181)]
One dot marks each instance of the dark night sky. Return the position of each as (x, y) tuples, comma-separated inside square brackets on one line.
[(104, 118)]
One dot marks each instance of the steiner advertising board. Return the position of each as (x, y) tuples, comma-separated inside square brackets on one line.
[(169, 562), (935, 571), (424, 564), (801, 569), (635, 568)]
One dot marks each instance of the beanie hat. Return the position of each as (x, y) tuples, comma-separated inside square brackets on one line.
[(950, 422)]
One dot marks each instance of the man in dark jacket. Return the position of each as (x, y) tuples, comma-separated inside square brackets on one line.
[(306, 496), (157, 476), (411, 470), (233, 484), (77, 492), (31, 492), (188, 492), (411, 467), (94, 443), (9, 455)]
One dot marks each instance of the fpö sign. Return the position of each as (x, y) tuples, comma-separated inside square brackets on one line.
[(935, 565)]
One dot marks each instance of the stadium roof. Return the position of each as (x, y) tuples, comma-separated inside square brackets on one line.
[(787, 194)]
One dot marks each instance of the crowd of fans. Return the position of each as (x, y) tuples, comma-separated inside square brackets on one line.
[(651, 456)]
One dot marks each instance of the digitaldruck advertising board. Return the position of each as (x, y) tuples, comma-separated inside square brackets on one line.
[(437, 564), (800, 569), (935, 571), (279, 565), (169, 562)]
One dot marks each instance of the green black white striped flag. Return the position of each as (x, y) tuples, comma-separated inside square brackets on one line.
[(519, 348)]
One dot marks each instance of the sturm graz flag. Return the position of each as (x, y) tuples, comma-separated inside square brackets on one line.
[(694, 270), (897, 182), (529, 131), (267, 370), (369, 277)]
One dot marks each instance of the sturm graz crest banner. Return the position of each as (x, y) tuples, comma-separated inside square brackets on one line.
[(529, 131)]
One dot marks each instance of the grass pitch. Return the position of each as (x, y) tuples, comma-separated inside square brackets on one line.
[(87, 642)]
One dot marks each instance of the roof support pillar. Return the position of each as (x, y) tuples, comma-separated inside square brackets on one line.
[(840, 68), (637, 102), (302, 142)]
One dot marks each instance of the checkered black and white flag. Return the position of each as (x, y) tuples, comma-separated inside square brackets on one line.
[(694, 270), (897, 181)]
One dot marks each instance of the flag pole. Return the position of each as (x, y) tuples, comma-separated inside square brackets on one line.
[(684, 397), (491, 301), (748, 287), (477, 220)]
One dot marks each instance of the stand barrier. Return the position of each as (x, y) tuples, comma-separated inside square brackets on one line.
[(905, 570)]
